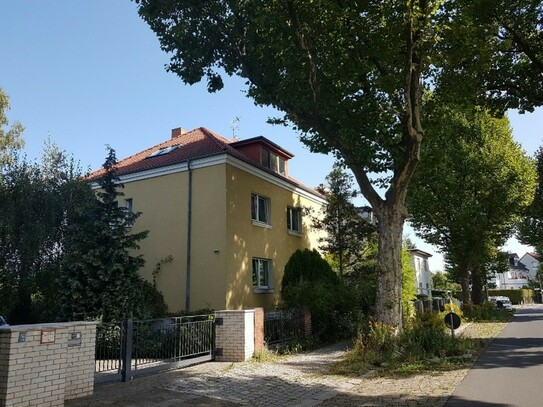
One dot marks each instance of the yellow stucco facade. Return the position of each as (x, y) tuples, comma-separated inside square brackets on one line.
[(224, 239)]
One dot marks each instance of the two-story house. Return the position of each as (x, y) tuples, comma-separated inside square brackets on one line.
[(423, 281), (516, 276), (226, 211), (531, 261)]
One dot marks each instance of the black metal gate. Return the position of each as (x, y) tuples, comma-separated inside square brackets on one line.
[(124, 350)]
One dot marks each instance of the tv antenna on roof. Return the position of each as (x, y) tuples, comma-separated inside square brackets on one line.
[(235, 124)]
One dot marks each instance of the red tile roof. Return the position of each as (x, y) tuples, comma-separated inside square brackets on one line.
[(535, 255), (197, 143)]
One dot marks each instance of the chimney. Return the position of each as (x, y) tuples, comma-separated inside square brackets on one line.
[(178, 132)]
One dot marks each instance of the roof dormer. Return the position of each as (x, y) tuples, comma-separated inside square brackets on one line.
[(266, 153)]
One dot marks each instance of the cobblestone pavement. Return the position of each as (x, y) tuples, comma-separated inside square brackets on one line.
[(296, 381)]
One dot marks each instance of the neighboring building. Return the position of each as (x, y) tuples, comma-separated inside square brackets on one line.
[(419, 260), (531, 261), (227, 212), (516, 276), (367, 213)]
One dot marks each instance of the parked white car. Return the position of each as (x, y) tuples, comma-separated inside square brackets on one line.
[(502, 302)]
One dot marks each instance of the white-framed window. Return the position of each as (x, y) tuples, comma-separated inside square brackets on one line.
[(262, 274), (128, 210), (128, 204), (272, 161), (260, 209), (294, 219)]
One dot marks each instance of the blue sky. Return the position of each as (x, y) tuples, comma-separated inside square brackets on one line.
[(88, 73)]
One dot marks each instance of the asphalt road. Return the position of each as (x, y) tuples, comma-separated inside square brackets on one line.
[(510, 372)]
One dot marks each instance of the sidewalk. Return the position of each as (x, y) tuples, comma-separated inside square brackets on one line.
[(295, 381)]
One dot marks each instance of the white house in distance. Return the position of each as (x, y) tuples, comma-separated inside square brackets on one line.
[(419, 260), (517, 275), (531, 261)]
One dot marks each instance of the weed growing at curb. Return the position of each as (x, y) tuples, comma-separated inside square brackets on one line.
[(422, 348)]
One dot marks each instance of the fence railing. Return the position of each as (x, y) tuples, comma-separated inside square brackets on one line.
[(109, 350), (131, 346), (281, 327), (434, 304)]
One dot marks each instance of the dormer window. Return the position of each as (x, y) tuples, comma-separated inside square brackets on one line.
[(272, 161), (163, 151)]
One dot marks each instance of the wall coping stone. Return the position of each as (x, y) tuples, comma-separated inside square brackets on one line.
[(36, 327), (233, 311)]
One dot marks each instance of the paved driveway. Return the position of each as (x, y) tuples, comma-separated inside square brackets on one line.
[(296, 381)]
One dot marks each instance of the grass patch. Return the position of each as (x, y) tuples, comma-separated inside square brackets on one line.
[(265, 355), (425, 346), (487, 312), (274, 354)]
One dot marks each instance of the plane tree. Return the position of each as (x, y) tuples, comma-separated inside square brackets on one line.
[(530, 227), (470, 189), (348, 76), (494, 48)]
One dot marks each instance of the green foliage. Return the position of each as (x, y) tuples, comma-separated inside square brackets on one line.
[(349, 77), (472, 184), (409, 290), (308, 265), (346, 232), (424, 345), (10, 139), (442, 281), (517, 296), (99, 276), (362, 281), (35, 199), (333, 314), (530, 227), (493, 49), (346, 76), (428, 337), (309, 282), (486, 312), (265, 355)]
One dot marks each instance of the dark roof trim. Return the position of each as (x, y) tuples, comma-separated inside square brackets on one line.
[(421, 252), (261, 140)]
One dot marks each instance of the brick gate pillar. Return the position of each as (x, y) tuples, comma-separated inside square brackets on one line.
[(234, 335), (259, 329)]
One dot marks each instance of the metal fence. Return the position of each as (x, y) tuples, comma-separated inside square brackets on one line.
[(131, 347), (108, 357), (434, 304), (281, 327)]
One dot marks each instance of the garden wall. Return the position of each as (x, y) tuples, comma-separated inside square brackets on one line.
[(45, 364)]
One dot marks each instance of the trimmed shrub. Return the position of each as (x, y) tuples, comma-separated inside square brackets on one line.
[(517, 296), (308, 265), (309, 282)]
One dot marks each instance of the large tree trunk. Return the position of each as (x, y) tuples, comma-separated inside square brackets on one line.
[(464, 283), (476, 286), (389, 281)]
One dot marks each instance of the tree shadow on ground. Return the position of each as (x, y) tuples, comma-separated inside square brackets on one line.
[(177, 388)]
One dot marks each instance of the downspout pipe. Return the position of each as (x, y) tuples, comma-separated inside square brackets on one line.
[(189, 238)]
